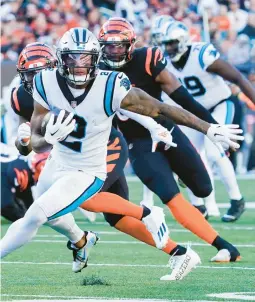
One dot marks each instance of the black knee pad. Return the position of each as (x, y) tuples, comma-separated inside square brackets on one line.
[(112, 219)]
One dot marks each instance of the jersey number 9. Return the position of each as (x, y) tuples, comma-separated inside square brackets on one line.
[(194, 86)]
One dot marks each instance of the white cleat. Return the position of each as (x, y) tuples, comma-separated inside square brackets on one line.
[(222, 256), (80, 256), (91, 216), (182, 265), (156, 225)]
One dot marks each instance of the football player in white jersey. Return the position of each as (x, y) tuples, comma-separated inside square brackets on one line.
[(157, 24), (76, 168), (201, 70)]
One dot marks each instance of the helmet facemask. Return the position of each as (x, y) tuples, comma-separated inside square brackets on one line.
[(78, 66), (116, 54)]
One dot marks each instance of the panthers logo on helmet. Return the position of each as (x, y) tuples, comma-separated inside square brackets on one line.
[(126, 83)]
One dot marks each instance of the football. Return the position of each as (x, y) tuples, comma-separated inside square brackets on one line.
[(47, 118)]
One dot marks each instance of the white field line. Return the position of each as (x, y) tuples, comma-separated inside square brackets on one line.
[(93, 299), (125, 265), (248, 205), (115, 233), (239, 177), (138, 242)]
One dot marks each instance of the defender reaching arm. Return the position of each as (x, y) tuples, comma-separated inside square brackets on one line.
[(140, 102)]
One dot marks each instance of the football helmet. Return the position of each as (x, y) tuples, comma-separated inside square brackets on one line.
[(33, 58), (175, 39), (117, 39), (78, 55), (156, 28)]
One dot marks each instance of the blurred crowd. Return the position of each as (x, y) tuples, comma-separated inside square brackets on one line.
[(228, 24), (231, 22)]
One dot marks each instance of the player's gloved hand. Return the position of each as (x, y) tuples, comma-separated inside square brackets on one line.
[(225, 135), (56, 132), (161, 134), (24, 134)]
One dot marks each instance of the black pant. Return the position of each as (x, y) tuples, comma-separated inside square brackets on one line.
[(156, 169)]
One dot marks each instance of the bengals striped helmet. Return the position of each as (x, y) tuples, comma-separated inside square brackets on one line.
[(33, 58), (117, 38)]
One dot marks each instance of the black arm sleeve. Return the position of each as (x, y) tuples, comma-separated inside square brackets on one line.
[(182, 97)]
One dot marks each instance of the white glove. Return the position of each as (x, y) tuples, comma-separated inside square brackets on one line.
[(225, 135), (61, 129), (24, 134), (161, 134)]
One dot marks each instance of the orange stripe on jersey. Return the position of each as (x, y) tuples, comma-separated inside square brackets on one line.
[(15, 99), (148, 61), (157, 54), (112, 157), (114, 145), (110, 167)]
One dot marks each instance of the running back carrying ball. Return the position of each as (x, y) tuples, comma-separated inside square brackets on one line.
[(56, 128)]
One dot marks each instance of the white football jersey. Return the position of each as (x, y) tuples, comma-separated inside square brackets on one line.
[(207, 88), (86, 147)]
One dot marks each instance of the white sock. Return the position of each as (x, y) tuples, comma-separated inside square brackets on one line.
[(228, 177), (23, 230), (67, 226), (147, 197), (196, 201)]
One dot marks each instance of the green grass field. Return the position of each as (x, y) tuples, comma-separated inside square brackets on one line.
[(121, 267)]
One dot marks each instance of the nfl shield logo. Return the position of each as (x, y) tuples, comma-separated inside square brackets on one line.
[(73, 104)]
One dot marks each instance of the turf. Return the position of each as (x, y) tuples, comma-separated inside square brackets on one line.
[(120, 267)]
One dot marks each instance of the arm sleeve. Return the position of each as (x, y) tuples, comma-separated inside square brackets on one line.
[(145, 121), (39, 94), (121, 88), (182, 97), (155, 62), (208, 54)]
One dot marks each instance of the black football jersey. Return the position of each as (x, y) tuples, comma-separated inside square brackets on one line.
[(22, 102), (142, 69)]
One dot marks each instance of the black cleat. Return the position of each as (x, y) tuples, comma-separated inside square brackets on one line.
[(235, 211), (202, 209)]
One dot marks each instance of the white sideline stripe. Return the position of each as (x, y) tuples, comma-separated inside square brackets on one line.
[(98, 299), (126, 265), (138, 242)]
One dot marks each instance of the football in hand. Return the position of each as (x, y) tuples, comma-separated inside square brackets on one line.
[(47, 118)]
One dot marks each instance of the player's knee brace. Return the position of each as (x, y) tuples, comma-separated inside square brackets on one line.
[(112, 219)]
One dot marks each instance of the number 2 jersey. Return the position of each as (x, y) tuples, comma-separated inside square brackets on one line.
[(207, 88), (86, 147)]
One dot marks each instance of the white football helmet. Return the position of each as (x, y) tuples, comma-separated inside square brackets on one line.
[(176, 33), (78, 54), (157, 26)]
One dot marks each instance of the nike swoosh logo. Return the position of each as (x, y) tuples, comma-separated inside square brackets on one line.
[(216, 134), (120, 75), (163, 60)]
